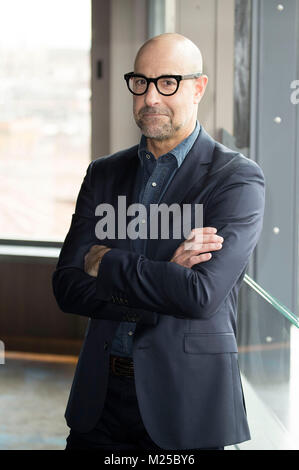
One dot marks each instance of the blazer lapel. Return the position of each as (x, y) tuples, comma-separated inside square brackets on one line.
[(124, 192), (191, 173), (126, 183), (193, 168)]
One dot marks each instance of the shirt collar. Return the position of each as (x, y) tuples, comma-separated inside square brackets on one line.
[(179, 152)]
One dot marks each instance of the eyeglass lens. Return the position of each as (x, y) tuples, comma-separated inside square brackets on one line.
[(166, 85)]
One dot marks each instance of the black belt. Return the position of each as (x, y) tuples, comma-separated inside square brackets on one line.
[(122, 366)]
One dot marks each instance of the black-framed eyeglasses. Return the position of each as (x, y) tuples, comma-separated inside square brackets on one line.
[(167, 85)]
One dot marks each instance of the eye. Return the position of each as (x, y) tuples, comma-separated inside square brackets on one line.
[(139, 81), (168, 82)]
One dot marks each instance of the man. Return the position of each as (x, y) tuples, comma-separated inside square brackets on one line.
[(158, 368)]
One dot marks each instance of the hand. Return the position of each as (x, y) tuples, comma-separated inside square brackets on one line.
[(201, 240), (93, 258)]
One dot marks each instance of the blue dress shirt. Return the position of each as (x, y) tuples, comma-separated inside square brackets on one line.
[(154, 176)]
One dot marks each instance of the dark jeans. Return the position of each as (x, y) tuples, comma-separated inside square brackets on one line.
[(120, 426)]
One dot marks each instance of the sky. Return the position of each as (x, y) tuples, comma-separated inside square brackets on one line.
[(45, 23)]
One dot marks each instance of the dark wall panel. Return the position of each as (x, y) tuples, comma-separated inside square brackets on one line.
[(30, 318)]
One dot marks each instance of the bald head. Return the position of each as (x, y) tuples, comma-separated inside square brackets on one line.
[(171, 49)]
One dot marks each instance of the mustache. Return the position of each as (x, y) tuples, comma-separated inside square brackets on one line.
[(150, 110)]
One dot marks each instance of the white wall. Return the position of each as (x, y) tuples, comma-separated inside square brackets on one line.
[(128, 33), (100, 101), (210, 25)]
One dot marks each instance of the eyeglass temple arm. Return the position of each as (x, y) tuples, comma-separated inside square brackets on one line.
[(192, 75)]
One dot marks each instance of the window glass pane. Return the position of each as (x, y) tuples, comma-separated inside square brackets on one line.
[(268, 341), (44, 114)]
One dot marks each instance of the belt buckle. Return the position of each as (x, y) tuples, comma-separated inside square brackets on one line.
[(130, 370)]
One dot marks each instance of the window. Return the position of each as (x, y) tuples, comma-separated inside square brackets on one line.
[(44, 114)]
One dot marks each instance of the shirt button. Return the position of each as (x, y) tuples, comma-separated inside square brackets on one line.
[(148, 156), (143, 221), (130, 333), (154, 184)]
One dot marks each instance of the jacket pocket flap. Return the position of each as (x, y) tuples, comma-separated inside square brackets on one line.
[(210, 343)]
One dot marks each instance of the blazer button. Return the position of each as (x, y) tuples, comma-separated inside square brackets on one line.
[(106, 344)]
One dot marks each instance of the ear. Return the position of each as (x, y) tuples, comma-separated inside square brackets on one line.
[(200, 88)]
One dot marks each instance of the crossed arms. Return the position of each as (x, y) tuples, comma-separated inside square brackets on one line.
[(191, 284), (201, 240)]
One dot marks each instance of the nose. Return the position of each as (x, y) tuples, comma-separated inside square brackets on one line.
[(152, 96)]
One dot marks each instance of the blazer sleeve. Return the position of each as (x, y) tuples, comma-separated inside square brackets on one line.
[(74, 289), (236, 209)]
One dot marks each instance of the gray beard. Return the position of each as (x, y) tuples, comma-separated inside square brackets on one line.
[(160, 133)]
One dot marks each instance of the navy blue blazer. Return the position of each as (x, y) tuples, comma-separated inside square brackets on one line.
[(185, 351)]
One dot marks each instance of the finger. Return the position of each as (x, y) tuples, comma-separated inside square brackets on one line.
[(200, 258), (196, 235), (204, 230), (202, 237), (201, 231), (209, 244), (208, 239), (208, 229), (189, 244), (213, 238), (203, 245), (202, 248)]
